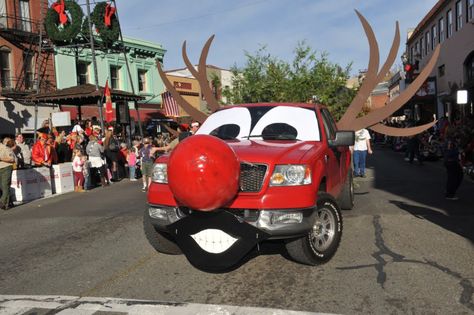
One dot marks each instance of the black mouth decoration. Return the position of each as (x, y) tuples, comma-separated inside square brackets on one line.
[(215, 241)]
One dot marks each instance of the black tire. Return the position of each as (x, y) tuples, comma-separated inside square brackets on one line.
[(346, 198), (160, 241), (321, 243)]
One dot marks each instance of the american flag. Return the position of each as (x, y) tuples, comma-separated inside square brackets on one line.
[(170, 105)]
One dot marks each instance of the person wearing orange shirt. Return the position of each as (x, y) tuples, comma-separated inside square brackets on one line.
[(40, 153)]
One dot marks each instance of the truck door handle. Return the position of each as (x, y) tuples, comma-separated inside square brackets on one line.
[(326, 157)]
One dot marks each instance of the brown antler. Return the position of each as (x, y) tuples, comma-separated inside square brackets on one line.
[(201, 74), (188, 108), (371, 120)]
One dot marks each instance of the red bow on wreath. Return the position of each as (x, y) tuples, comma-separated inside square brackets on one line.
[(109, 12), (60, 7)]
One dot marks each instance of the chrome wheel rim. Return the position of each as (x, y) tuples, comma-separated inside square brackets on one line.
[(323, 231)]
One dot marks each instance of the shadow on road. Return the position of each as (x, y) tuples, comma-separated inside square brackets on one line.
[(451, 223), (422, 189)]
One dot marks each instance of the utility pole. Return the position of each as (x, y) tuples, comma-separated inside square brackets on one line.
[(94, 63), (128, 70)]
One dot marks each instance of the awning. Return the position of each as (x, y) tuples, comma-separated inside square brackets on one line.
[(88, 112), (84, 94)]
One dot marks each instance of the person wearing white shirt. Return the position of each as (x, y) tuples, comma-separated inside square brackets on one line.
[(360, 150)]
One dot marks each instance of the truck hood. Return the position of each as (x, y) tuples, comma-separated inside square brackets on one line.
[(273, 152)]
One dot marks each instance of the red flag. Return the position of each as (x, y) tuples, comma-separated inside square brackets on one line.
[(109, 113), (170, 106)]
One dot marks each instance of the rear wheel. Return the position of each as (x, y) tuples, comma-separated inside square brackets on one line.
[(346, 198), (322, 241), (160, 241)]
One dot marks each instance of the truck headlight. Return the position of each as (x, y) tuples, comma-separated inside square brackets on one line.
[(160, 173), (291, 175)]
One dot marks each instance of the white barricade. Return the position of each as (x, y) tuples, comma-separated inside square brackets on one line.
[(45, 185), (39, 182), (25, 184), (63, 178)]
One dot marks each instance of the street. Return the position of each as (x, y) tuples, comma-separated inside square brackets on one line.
[(405, 249)]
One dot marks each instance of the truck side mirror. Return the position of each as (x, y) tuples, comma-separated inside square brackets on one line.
[(343, 138)]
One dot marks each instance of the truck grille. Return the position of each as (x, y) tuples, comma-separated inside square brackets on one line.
[(252, 176)]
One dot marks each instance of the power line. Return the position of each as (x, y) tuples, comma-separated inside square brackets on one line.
[(196, 16)]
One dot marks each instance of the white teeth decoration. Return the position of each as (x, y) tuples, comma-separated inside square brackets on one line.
[(214, 241)]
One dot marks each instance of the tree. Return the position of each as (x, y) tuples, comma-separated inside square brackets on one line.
[(266, 78)]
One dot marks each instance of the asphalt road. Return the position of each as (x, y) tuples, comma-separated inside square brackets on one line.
[(405, 249)]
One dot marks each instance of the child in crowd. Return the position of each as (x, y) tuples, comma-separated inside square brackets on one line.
[(132, 162), (78, 169)]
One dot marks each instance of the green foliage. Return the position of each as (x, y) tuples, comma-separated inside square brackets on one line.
[(265, 78), (109, 35), (64, 34)]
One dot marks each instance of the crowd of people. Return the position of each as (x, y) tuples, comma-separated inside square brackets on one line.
[(452, 141), (98, 157)]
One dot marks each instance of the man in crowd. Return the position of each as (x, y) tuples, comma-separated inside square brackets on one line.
[(7, 159), (22, 151), (194, 127), (41, 154), (360, 149)]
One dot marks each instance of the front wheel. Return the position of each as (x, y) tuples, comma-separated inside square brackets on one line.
[(322, 241), (346, 198), (160, 241)]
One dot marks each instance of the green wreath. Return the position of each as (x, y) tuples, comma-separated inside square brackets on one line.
[(109, 35), (63, 34)]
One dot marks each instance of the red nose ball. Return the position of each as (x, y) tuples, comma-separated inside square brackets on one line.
[(203, 173)]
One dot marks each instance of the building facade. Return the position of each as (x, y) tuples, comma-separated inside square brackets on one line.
[(25, 67), (75, 67), (218, 79), (450, 24)]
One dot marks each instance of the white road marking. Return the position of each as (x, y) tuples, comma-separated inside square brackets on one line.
[(75, 305)]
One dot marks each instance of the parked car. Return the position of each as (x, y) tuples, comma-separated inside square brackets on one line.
[(253, 173)]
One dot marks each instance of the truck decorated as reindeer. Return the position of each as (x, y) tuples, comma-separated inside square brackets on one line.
[(266, 171)]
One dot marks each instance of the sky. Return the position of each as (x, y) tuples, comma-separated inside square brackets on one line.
[(240, 26)]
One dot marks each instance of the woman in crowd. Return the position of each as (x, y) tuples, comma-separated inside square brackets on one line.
[(111, 150), (97, 165), (122, 161)]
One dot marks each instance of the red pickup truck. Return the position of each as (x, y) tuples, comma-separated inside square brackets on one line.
[(252, 173)]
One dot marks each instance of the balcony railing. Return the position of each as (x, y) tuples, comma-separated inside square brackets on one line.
[(18, 23), (14, 85)]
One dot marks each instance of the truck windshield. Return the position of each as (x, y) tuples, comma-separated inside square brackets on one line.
[(263, 123)]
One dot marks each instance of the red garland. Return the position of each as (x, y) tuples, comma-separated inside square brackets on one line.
[(109, 12), (59, 8)]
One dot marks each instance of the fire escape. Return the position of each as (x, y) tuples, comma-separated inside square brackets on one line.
[(35, 72)]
